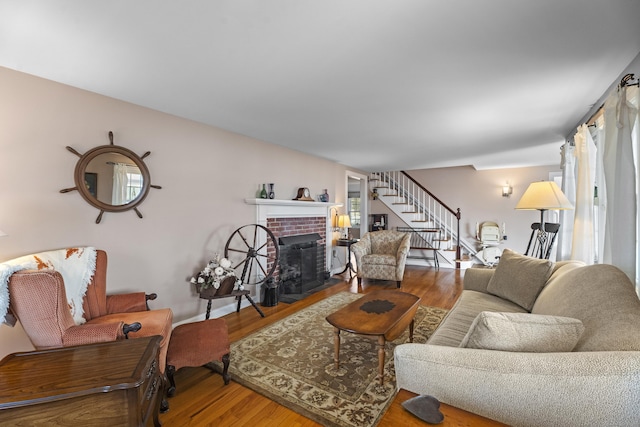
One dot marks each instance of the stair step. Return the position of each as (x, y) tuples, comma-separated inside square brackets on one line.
[(409, 212), (420, 220), (391, 195), (398, 203)]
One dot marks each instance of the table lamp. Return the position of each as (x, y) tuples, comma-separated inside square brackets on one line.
[(344, 222)]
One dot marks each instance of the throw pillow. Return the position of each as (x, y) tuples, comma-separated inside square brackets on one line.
[(519, 278), (525, 332)]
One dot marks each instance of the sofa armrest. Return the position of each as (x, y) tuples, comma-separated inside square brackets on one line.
[(576, 388), (477, 279), (360, 249), (126, 303), (91, 334)]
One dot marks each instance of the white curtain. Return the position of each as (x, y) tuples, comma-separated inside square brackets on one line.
[(620, 117), (600, 192), (583, 242), (120, 181), (569, 190)]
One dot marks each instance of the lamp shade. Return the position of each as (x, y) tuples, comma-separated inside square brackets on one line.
[(344, 221), (544, 195)]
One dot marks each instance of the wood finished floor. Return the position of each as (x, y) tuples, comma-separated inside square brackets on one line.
[(202, 399)]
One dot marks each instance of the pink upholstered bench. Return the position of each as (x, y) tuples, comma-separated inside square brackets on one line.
[(197, 344)]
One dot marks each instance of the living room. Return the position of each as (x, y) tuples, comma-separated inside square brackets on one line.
[(206, 173)]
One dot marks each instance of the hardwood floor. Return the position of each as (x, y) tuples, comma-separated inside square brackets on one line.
[(203, 400)]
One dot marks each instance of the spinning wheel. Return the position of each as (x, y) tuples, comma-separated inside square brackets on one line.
[(253, 249), (253, 252)]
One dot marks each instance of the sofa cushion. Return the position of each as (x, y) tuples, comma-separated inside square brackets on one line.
[(519, 278), (524, 332), (604, 299), (457, 322)]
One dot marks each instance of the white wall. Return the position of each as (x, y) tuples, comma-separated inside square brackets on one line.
[(205, 174), (478, 194)]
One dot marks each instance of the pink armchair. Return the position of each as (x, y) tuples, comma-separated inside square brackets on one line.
[(39, 301)]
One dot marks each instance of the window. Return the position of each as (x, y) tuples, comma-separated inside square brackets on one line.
[(354, 211)]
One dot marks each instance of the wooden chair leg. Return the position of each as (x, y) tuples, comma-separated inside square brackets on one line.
[(359, 281), (399, 282), (225, 369), (171, 391)]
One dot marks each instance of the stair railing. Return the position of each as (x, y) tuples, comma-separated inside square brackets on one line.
[(427, 209)]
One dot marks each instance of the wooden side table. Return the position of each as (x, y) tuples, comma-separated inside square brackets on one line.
[(347, 243), (115, 383)]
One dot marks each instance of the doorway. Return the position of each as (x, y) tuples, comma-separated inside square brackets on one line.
[(356, 203)]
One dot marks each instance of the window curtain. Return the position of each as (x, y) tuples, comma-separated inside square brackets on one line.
[(583, 242), (569, 190), (620, 135), (600, 190), (120, 182)]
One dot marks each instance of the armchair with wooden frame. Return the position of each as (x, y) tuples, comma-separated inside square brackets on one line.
[(39, 301)]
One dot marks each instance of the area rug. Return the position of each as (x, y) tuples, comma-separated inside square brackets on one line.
[(291, 362)]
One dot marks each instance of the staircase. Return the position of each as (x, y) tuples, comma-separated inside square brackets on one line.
[(420, 209)]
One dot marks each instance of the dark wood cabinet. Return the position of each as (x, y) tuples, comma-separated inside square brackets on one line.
[(378, 222), (107, 384)]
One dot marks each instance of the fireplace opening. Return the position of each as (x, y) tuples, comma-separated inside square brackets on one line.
[(301, 263)]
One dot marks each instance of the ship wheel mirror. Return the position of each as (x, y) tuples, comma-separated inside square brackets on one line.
[(111, 178)]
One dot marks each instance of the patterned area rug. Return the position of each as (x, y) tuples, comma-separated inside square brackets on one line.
[(291, 362)]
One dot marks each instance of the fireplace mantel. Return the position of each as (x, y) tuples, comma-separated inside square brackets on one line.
[(274, 208)]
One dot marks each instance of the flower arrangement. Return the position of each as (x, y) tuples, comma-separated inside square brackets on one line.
[(214, 273)]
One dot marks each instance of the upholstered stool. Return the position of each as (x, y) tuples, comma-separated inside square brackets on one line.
[(197, 344)]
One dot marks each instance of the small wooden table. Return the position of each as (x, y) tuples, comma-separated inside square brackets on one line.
[(349, 265), (384, 314)]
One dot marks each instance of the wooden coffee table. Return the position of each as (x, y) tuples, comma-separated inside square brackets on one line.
[(384, 314)]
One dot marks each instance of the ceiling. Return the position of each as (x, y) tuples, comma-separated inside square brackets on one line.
[(374, 84)]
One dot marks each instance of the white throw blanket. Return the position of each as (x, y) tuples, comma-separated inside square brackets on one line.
[(76, 265)]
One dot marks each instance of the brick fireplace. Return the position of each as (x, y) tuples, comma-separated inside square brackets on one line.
[(291, 217)]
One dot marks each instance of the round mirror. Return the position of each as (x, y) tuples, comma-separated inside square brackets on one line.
[(112, 178)]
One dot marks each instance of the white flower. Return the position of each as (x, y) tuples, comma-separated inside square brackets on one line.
[(216, 284), (219, 271), (207, 271), (193, 280), (225, 263), (200, 280)]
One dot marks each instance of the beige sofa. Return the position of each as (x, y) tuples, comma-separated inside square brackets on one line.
[(567, 356)]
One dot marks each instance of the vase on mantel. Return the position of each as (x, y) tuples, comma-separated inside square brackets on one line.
[(324, 197), (272, 194), (263, 193)]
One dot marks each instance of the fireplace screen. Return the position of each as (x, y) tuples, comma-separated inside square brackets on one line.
[(301, 263)]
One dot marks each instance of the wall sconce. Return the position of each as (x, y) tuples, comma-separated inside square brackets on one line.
[(507, 190), (334, 219)]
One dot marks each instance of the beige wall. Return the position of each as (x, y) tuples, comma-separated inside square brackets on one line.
[(478, 194), (205, 174)]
